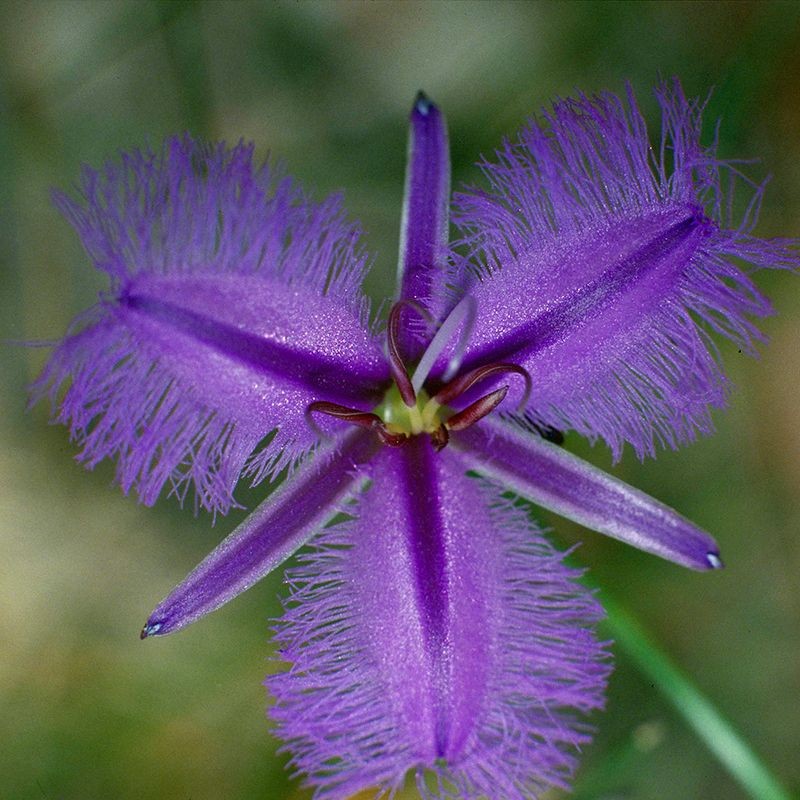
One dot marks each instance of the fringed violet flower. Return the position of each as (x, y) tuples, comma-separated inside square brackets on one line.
[(430, 627)]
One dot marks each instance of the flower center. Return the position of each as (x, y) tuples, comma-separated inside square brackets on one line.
[(408, 411), (425, 416)]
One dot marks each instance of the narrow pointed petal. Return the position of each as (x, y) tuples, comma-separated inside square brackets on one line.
[(274, 531), (424, 228), (559, 481), (629, 262), (234, 303), (436, 631)]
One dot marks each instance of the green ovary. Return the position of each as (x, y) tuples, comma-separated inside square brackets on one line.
[(425, 416)]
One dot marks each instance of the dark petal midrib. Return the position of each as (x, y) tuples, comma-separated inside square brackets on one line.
[(323, 377), (429, 558), (556, 324)]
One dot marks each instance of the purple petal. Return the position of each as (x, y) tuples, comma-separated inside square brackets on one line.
[(424, 232), (561, 482), (436, 631), (274, 531), (627, 264), (234, 304)]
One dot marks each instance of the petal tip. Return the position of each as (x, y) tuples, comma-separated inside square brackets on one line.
[(423, 104), (714, 561), (150, 629)]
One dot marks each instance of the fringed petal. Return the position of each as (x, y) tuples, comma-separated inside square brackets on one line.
[(628, 257), (234, 303), (437, 633), (561, 482)]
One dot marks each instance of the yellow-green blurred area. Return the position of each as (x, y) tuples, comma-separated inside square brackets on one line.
[(89, 712)]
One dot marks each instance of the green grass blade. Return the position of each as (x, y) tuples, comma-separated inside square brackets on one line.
[(700, 714)]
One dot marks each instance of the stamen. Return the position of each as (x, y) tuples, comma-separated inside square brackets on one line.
[(389, 438), (450, 391), (477, 410), (464, 311), (440, 437), (399, 372), (363, 419)]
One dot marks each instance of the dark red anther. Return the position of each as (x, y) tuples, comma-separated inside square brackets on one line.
[(364, 419), (396, 364), (477, 410), (462, 383)]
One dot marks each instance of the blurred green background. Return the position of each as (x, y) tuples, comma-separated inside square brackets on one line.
[(87, 710)]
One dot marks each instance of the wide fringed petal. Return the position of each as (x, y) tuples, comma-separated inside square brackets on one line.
[(629, 260), (436, 632), (561, 482), (234, 303)]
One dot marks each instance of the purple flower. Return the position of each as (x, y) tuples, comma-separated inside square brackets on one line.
[(430, 626)]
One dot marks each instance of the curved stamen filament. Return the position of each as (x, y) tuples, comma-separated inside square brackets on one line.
[(450, 391), (396, 365), (364, 419), (462, 316)]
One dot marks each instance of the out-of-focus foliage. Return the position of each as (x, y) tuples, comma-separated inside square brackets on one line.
[(87, 710)]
